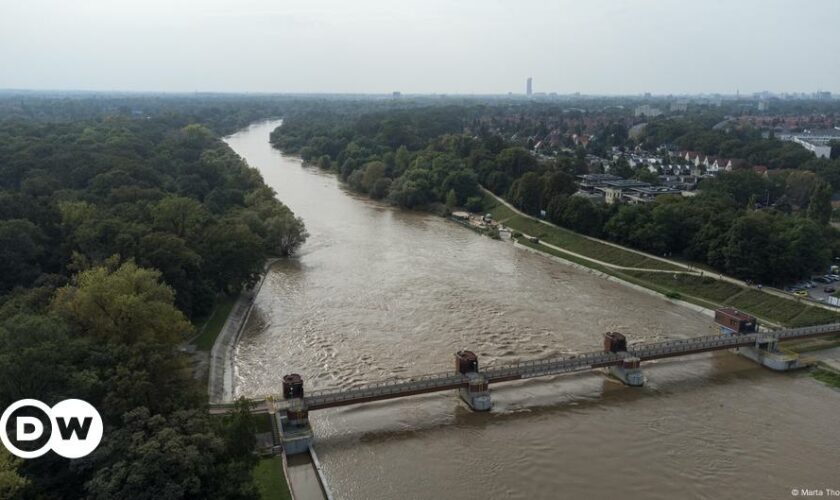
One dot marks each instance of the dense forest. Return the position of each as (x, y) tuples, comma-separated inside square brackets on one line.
[(115, 231), (124, 217), (770, 229)]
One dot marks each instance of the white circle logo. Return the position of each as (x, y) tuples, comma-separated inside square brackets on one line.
[(72, 428)]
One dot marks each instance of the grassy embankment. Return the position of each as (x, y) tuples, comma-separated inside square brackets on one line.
[(270, 479), (210, 328), (704, 291), (827, 377), (268, 474)]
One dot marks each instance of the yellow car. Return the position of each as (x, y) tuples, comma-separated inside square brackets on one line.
[(801, 293)]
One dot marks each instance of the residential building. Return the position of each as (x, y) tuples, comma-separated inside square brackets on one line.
[(647, 194), (589, 182), (815, 141), (615, 190), (647, 110), (679, 106)]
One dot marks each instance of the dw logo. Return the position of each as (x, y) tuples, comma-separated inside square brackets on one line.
[(72, 428)]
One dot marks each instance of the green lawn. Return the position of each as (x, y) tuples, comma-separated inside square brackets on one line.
[(499, 210), (270, 479), (209, 330), (705, 287), (574, 242), (711, 293), (768, 306), (827, 377), (815, 316), (571, 240)]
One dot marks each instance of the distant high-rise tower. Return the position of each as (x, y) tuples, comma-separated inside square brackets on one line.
[(528, 87)]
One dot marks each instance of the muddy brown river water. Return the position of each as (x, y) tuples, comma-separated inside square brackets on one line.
[(378, 293)]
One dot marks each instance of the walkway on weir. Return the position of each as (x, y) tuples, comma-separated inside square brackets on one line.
[(475, 380)]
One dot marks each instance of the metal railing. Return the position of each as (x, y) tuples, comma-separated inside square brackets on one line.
[(538, 367), (384, 388)]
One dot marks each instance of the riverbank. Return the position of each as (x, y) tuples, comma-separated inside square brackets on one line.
[(212, 326), (220, 381), (827, 376), (674, 280), (393, 293)]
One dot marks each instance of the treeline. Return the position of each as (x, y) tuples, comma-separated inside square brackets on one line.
[(114, 232), (725, 226), (415, 158), (401, 155), (173, 198), (732, 142), (768, 229)]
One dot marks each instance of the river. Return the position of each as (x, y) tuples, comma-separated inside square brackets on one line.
[(379, 292)]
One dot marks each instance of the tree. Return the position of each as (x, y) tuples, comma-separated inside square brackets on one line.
[(581, 215), (819, 207), (558, 183), (239, 430), (835, 149), (12, 484), (800, 186), (233, 255), (526, 193), (474, 204), (515, 162), (451, 199), (463, 182), (285, 233), (645, 175), (36, 354), (167, 457), (412, 189), (380, 188), (183, 217), (21, 247), (738, 185), (180, 267), (373, 172), (126, 305), (622, 169)]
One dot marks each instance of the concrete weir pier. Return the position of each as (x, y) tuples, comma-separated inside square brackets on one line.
[(766, 350), (628, 371), (295, 431), (476, 393)]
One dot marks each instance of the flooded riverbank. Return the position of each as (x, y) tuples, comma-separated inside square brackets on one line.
[(378, 293)]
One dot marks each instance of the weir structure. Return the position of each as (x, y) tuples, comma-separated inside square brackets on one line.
[(290, 410)]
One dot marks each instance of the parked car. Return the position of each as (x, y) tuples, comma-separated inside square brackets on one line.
[(829, 289), (835, 277), (821, 279), (801, 293)]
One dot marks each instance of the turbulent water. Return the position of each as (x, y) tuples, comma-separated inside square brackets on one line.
[(379, 293)]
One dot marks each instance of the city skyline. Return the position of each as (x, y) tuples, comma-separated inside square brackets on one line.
[(601, 48)]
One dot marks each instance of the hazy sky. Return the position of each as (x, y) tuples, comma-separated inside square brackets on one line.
[(603, 46)]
